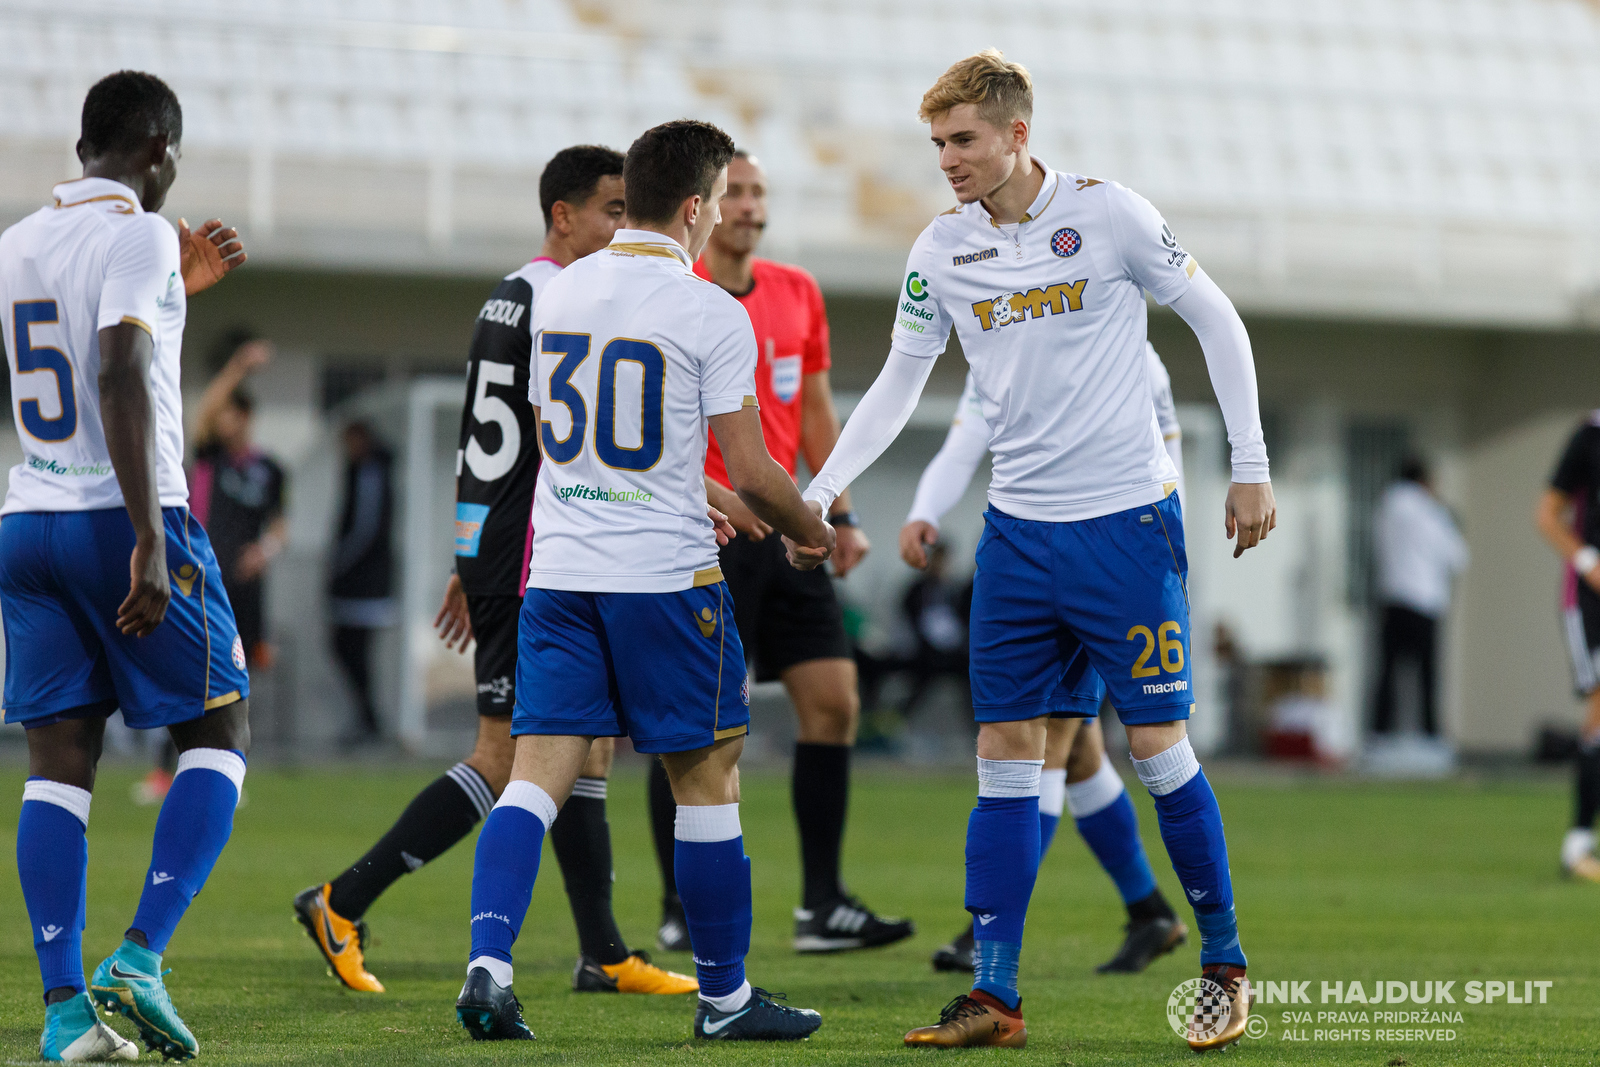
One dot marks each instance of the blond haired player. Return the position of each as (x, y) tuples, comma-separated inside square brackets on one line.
[(1082, 563)]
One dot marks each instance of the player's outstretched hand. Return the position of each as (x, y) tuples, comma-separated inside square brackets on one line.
[(1252, 513), (207, 254), (914, 537), (722, 527), (804, 558), (850, 547), (148, 591), (453, 622)]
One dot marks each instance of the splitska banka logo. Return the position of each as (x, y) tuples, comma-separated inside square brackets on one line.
[(1008, 308)]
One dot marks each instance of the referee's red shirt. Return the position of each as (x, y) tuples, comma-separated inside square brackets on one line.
[(791, 325)]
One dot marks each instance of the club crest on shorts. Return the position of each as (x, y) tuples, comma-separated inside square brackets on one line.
[(1065, 242), (238, 651), (744, 691)]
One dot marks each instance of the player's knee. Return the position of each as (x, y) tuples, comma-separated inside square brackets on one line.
[(494, 753), (1022, 740), (227, 727)]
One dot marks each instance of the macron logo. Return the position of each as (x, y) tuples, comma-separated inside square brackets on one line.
[(158, 877), (985, 920), (1198, 894), (50, 932)]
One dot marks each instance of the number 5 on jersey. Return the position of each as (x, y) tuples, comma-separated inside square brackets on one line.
[(31, 358), (574, 349)]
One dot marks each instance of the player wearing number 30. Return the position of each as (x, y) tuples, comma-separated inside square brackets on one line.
[(1042, 274), (626, 627), (94, 290)]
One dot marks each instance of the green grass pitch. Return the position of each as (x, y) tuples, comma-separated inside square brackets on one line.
[(1335, 881)]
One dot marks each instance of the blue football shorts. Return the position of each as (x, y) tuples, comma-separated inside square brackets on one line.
[(63, 574), (1057, 607), (664, 669)]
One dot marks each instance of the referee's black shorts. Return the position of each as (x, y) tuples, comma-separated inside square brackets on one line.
[(494, 627), (785, 616), (1580, 621)]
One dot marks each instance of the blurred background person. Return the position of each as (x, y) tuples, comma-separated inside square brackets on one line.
[(236, 491), (1569, 518), (937, 610), (361, 585), (1419, 553)]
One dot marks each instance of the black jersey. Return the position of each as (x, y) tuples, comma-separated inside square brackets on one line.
[(1578, 476), (497, 460)]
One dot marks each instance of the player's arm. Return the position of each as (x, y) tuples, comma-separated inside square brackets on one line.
[(207, 254), (819, 432), (943, 483), (1553, 517), (766, 488), (249, 358), (740, 518), (1251, 510), (127, 411)]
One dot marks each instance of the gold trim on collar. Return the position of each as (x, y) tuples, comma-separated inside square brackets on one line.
[(131, 209), (709, 576), (1028, 216), (646, 248)]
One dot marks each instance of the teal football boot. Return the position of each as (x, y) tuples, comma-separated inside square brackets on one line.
[(129, 981), (73, 1033)]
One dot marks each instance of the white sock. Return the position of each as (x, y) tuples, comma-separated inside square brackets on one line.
[(1052, 791), (1009, 777), (1577, 844), (499, 970), (1168, 770), (733, 1001), (1095, 793)]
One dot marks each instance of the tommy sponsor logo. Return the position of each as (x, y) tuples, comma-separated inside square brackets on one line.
[(68, 470), (608, 496), (51, 932), (974, 257), (707, 621), (505, 312), (1178, 686), (1009, 308), (159, 877)]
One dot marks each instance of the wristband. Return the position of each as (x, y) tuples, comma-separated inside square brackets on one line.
[(843, 518), (1585, 559)]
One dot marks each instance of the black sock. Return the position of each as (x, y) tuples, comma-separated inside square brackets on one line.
[(60, 993), (582, 841), (821, 791), (439, 816), (1588, 785), (663, 824), (1154, 906)]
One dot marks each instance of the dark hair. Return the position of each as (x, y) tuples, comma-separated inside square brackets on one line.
[(241, 401), (670, 163), (125, 109), (572, 174), (1415, 469)]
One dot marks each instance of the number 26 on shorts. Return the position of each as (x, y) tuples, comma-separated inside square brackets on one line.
[(1168, 637)]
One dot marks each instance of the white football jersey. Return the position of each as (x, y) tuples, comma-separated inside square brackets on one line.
[(93, 260), (1051, 315), (632, 353)]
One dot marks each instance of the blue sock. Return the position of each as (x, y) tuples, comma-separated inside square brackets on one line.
[(53, 866), (195, 822), (505, 867), (1112, 834), (1002, 864), (1052, 800), (713, 876), (1191, 827), (1047, 831)]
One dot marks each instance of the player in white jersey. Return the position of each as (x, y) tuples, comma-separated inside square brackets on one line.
[(626, 624), (95, 289), (1043, 276), (1076, 777)]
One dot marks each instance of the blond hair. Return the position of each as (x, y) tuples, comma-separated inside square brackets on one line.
[(1002, 91)]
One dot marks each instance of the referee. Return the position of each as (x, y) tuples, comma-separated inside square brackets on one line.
[(789, 620)]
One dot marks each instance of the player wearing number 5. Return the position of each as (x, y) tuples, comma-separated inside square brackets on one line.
[(110, 590), (1043, 275)]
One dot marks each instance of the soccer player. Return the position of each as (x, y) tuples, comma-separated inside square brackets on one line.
[(580, 192), (625, 625), (1568, 516), (1076, 775), (110, 590), (790, 620), (1081, 561)]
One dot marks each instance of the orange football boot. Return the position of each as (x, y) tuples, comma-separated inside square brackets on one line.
[(973, 1020), (1219, 1018), (339, 939), (636, 974)]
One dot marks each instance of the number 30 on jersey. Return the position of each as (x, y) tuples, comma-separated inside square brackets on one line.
[(574, 349)]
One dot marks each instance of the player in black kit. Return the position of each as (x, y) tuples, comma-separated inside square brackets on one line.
[(497, 465)]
